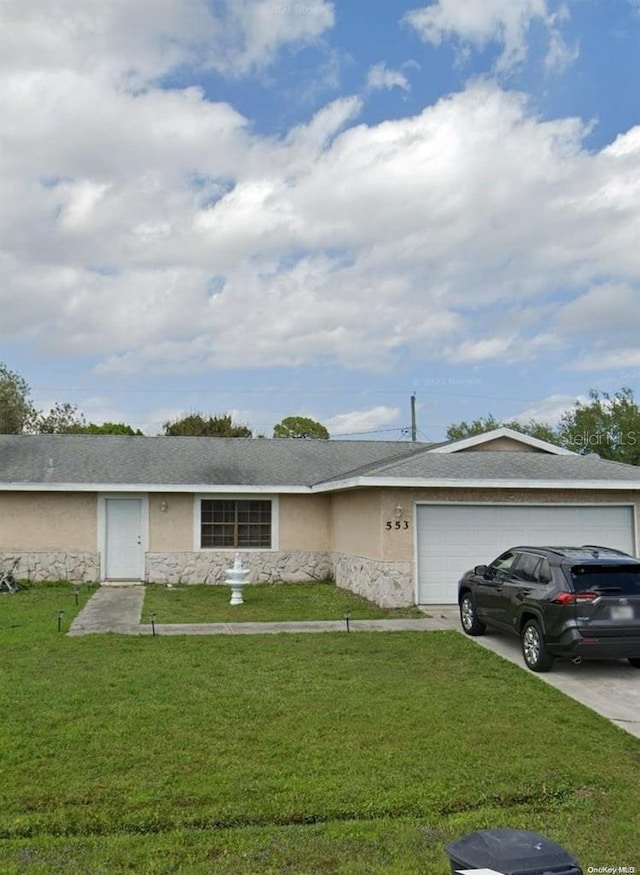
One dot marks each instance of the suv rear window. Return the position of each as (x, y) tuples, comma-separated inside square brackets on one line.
[(621, 579)]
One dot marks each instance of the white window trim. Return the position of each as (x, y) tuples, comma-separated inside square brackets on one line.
[(236, 496)]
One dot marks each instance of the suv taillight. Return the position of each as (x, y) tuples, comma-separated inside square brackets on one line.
[(574, 598)]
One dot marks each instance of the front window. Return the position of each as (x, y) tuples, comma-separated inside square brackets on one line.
[(239, 523)]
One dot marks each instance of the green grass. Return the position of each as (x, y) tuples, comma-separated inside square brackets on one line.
[(263, 602), (333, 753)]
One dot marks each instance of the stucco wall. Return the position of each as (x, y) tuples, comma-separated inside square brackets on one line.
[(305, 522), (356, 523), (170, 529), (48, 522), (501, 445)]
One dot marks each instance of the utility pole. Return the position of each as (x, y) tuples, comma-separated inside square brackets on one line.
[(414, 429)]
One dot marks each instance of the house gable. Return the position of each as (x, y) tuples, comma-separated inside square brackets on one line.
[(502, 440)]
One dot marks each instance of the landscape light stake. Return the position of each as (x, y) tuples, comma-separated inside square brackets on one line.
[(60, 616), (347, 617), (76, 590), (152, 618)]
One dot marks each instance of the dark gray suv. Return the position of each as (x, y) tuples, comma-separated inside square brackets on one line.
[(573, 602)]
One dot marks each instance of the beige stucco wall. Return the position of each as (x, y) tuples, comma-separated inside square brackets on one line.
[(356, 523), (501, 445), (305, 522), (48, 521), (171, 529)]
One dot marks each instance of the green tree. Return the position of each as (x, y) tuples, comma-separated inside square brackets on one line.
[(464, 429), (16, 410), (107, 428), (61, 419), (220, 425), (540, 430), (300, 427), (607, 425)]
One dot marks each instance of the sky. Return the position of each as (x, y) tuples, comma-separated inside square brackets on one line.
[(303, 207)]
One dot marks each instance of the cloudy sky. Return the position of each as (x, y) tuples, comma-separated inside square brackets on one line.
[(278, 207)]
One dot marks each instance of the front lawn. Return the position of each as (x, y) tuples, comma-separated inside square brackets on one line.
[(263, 602), (300, 754)]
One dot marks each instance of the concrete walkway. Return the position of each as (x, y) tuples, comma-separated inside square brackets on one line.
[(111, 609), (119, 609)]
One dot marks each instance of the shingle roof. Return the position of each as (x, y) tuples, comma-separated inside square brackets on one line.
[(114, 460), (488, 465), (119, 459)]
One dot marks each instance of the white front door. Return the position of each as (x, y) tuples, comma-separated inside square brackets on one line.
[(124, 549)]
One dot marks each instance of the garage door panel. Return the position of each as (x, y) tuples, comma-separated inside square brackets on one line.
[(453, 538)]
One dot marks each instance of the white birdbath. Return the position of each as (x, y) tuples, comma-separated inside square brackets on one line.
[(237, 580)]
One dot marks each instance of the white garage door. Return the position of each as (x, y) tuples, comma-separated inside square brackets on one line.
[(453, 538)]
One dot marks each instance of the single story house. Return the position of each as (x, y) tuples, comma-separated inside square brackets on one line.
[(397, 522)]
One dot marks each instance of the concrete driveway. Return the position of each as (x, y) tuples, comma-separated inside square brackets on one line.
[(610, 688)]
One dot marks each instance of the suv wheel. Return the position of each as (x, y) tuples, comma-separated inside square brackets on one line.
[(634, 661), (469, 618), (534, 650)]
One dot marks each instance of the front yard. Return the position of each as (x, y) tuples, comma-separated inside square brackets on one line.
[(327, 753), (280, 602)]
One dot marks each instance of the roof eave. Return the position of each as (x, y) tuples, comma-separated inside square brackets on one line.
[(152, 487), (473, 483)]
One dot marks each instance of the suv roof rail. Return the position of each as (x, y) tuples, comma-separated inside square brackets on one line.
[(604, 549), (559, 551)]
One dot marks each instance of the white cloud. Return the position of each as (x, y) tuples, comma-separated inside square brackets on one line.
[(133, 42), (603, 359), (255, 30), (162, 233), (610, 307), (380, 76), (549, 410), (361, 421), (476, 23)]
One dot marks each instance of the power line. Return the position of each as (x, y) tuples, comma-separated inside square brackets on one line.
[(282, 391)]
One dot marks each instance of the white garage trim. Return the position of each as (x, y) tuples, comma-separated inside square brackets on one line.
[(464, 534)]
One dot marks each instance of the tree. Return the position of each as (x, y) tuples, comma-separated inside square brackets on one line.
[(219, 425), (61, 419), (107, 428), (16, 410), (539, 430), (608, 426), (464, 429), (300, 427)]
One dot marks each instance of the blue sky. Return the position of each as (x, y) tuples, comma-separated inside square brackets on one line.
[(283, 207)]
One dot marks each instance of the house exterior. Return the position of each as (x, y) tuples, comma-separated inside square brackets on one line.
[(397, 522)]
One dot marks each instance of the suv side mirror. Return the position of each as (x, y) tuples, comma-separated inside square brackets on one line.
[(480, 570)]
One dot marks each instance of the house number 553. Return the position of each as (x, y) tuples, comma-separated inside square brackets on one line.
[(396, 524)]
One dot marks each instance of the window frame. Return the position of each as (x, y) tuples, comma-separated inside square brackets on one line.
[(243, 496)]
